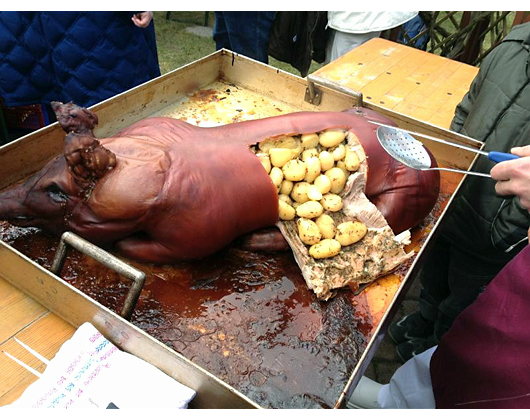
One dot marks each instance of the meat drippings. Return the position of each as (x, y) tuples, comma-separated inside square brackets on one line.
[(246, 317)]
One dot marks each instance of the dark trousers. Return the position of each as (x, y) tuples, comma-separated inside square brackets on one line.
[(246, 33), (451, 280)]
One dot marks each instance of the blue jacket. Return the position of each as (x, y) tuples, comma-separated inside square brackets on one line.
[(84, 57)]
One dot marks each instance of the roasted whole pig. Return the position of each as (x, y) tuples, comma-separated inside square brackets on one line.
[(162, 190)]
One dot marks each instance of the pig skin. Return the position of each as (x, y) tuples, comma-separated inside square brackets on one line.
[(176, 191)]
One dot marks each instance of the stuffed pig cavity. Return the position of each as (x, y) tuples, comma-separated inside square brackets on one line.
[(356, 245), (163, 190)]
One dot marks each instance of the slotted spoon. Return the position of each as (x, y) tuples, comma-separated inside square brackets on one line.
[(400, 144)]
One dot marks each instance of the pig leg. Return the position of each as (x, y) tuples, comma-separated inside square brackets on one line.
[(270, 240), (148, 250), (145, 250)]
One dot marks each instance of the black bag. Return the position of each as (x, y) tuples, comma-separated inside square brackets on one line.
[(298, 38)]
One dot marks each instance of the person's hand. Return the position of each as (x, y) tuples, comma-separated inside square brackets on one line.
[(513, 176), (142, 20)]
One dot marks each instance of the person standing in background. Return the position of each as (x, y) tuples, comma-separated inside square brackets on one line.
[(348, 30), (245, 33), (84, 57)]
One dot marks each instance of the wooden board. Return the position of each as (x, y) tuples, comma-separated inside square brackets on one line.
[(35, 326), (412, 82)]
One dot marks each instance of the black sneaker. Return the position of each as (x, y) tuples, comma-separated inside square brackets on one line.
[(410, 327), (411, 348)]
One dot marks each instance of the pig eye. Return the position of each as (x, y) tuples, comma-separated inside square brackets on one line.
[(56, 194)]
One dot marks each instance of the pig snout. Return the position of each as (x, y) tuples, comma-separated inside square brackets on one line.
[(12, 207)]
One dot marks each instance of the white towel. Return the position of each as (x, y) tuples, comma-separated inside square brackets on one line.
[(90, 372)]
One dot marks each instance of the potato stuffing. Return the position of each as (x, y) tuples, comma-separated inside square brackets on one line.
[(310, 172)]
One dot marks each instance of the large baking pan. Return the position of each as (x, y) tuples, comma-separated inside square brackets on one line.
[(218, 89)]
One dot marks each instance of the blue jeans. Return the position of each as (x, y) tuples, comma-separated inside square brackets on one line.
[(246, 33)]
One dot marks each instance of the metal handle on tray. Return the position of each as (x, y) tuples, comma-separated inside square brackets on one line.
[(314, 95), (109, 260)]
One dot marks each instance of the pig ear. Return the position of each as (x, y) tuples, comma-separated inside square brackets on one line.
[(74, 118), (87, 159)]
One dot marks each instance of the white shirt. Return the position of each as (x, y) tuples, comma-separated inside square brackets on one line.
[(362, 22)]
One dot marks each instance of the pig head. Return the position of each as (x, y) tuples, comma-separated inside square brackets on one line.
[(163, 190)]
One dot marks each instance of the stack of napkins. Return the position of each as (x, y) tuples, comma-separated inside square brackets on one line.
[(90, 372)]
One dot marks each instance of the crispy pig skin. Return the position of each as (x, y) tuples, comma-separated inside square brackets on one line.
[(177, 191)]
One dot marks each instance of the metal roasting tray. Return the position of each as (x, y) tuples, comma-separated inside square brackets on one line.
[(221, 88)]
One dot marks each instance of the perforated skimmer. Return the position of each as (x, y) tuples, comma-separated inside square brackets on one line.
[(400, 144)]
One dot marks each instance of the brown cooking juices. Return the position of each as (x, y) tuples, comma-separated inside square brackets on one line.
[(246, 317)]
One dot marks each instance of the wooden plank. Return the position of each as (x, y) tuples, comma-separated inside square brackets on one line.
[(349, 64), (358, 73), (424, 86), (443, 94), (360, 78), (17, 310), (417, 98), (394, 76), (412, 90), (458, 91), (46, 335)]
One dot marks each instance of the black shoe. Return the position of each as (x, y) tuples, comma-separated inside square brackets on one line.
[(410, 327), (411, 348)]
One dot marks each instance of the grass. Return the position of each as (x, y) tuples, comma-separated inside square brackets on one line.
[(177, 47)]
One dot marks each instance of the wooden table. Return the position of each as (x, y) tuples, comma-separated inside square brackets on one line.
[(403, 79)]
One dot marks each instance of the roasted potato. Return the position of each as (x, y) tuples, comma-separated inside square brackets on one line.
[(326, 248), (313, 193), (279, 157), (313, 169), (338, 152), (326, 225), (294, 170), (310, 140), (309, 210), (326, 160), (277, 177), (337, 178), (309, 172), (322, 183), (349, 233), (331, 202), (265, 161), (286, 211), (299, 193), (286, 187), (332, 138), (351, 160), (308, 231)]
